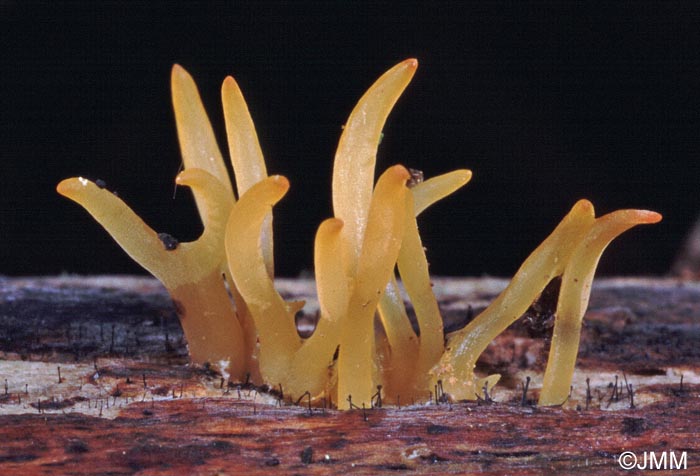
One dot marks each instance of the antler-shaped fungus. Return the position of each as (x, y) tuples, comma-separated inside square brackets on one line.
[(572, 250), (190, 271), (217, 330), (408, 356), (575, 290), (374, 231)]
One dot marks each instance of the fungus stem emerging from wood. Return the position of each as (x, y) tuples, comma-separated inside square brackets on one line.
[(223, 283), (191, 272), (574, 293), (410, 356), (380, 249), (277, 333), (456, 367), (312, 366)]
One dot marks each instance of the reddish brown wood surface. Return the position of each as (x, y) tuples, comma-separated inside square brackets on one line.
[(225, 436), (126, 402)]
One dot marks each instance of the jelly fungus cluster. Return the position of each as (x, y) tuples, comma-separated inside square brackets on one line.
[(222, 284)]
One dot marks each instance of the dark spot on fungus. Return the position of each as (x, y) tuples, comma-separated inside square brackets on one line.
[(272, 462), (335, 354), (170, 243)]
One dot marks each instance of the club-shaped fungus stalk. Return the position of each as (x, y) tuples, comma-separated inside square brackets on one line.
[(223, 283), (380, 220), (576, 283), (353, 180), (246, 155), (200, 150), (456, 367), (572, 251), (378, 255)]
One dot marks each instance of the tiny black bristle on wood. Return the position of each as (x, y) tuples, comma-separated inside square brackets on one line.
[(523, 402), (630, 390), (589, 397)]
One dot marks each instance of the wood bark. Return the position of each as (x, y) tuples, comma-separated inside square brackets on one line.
[(94, 379)]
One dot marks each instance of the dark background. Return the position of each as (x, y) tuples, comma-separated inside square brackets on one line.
[(546, 102)]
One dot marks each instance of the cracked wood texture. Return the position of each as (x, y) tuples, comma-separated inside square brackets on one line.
[(94, 379)]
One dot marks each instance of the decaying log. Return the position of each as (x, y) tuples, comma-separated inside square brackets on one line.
[(94, 379)]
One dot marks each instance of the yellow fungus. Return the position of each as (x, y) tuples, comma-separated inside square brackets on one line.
[(191, 272), (223, 282), (575, 290)]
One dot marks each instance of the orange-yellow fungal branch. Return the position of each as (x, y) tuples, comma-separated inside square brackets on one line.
[(410, 357), (251, 332), (197, 141), (200, 150), (191, 272), (246, 155), (573, 298), (413, 264), (400, 337), (436, 188), (133, 235), (277, 333), (142, 243), (413, 268), (353, 168), (312, 369), (380, 249), (456, 367)]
